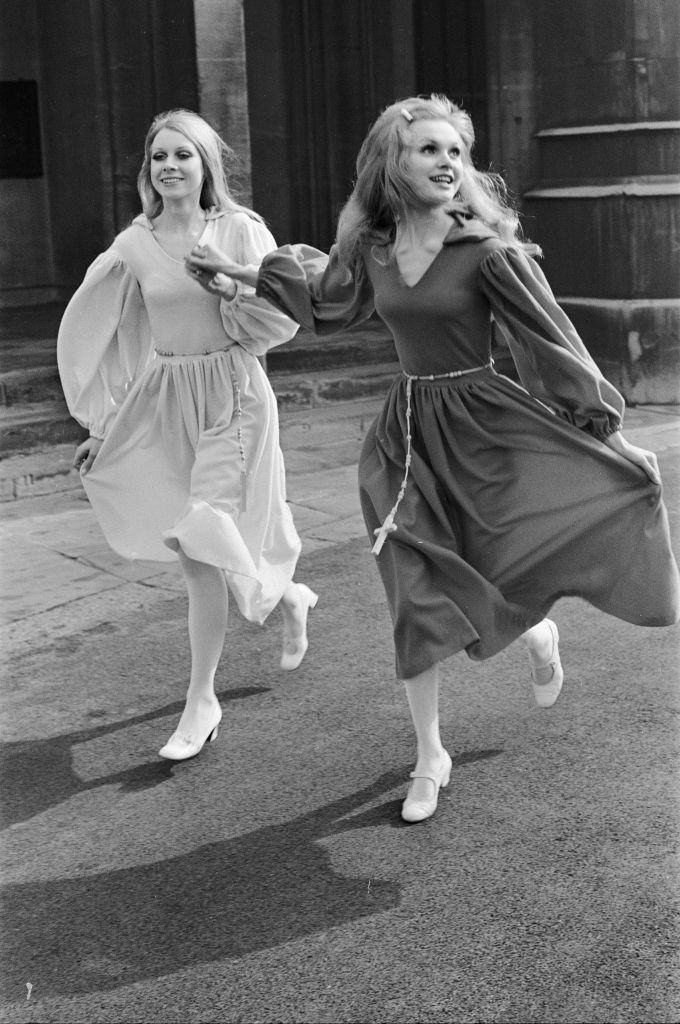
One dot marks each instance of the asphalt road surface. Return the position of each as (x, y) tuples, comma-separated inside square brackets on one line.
[(271, 879)]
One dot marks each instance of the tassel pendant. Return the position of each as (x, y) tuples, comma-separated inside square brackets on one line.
[(244, 481)]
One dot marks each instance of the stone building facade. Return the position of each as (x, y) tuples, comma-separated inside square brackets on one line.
[(577, 102)]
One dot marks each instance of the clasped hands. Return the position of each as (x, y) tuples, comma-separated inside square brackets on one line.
[(216, 272)]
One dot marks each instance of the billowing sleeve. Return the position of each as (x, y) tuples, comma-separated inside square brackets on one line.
[(315, 289), (104, 343), (247, 318), (552, 362)]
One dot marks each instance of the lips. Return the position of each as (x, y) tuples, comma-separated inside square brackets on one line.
[(442, 179)]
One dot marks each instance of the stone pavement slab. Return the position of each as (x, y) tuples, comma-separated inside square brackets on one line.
[(52, 551)]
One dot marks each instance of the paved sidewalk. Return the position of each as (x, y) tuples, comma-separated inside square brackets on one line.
[(53, 552), (271, 878)]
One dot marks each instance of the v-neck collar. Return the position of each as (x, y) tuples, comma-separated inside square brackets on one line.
[(465, 227)]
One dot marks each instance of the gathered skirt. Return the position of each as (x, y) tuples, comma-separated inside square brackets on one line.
[(193, 461), (507, 508)]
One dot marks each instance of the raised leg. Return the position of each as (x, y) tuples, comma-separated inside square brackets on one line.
[(547, 675), (296, 601)]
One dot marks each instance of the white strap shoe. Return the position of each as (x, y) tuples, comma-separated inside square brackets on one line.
[(295, 647), (181, 747), (547, 679), (419, 810)]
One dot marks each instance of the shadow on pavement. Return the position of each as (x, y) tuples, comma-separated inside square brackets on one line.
[(38, 774), (224, 900)]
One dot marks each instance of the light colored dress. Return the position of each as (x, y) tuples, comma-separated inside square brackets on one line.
[(488, 499), (168, 375)]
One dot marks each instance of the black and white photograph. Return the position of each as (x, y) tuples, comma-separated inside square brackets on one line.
[(340, 511)]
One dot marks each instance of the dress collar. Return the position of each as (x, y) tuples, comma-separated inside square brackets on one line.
[(465, 227), (143, 221)]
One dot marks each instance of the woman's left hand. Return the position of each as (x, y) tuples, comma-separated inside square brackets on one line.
[(638, 456)]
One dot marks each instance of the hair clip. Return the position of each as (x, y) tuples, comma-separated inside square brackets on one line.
[(406, 114)]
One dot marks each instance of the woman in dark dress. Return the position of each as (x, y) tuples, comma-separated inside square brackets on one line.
[(486, 500)]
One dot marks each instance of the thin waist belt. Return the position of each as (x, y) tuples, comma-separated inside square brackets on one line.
[(389, 526), (445, 376), (193, 355)]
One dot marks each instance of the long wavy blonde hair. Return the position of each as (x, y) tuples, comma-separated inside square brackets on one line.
[(383, 193), (218, 160)]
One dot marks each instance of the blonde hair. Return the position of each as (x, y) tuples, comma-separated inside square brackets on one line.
[(218, 160), (383, 193)]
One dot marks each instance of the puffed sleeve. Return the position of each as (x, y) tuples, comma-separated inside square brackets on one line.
[(552, 362), (247, 318), (104, 343), (315, 289)]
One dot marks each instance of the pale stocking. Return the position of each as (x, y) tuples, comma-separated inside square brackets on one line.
[(292, 610), (422, 693), (208, 608), (539, 641)]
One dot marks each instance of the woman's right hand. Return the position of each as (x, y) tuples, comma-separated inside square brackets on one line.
[(208, 259), (86, 453)]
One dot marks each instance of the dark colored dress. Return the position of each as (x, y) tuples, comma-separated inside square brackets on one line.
[(511, 499)]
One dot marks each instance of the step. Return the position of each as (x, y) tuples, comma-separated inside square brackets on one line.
[(27, 323), (27, 425), (29, 366), (312, 439), (369, 342), (341, 384), (30, 385)]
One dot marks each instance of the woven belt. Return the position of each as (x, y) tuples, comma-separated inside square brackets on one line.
[(193, 355), (389, 525)]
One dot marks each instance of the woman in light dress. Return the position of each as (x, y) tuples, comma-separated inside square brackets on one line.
[(485, 500), (183, 458)]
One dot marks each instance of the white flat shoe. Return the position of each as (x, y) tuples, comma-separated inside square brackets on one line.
[(547, 679), (295, 647), (419, 810), (181, 747)]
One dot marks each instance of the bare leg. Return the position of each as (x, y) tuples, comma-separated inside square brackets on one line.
[(434, 764), (208, 608)]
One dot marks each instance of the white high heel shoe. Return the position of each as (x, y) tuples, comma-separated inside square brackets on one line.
[(547, 679), (419, 810), (181, 747), (295, 647)]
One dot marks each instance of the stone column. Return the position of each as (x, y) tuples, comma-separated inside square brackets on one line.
[(511, 93), (222, 80), (607, 202)]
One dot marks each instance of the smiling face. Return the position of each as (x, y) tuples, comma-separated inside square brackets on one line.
[(175, 166), (433, 161)]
